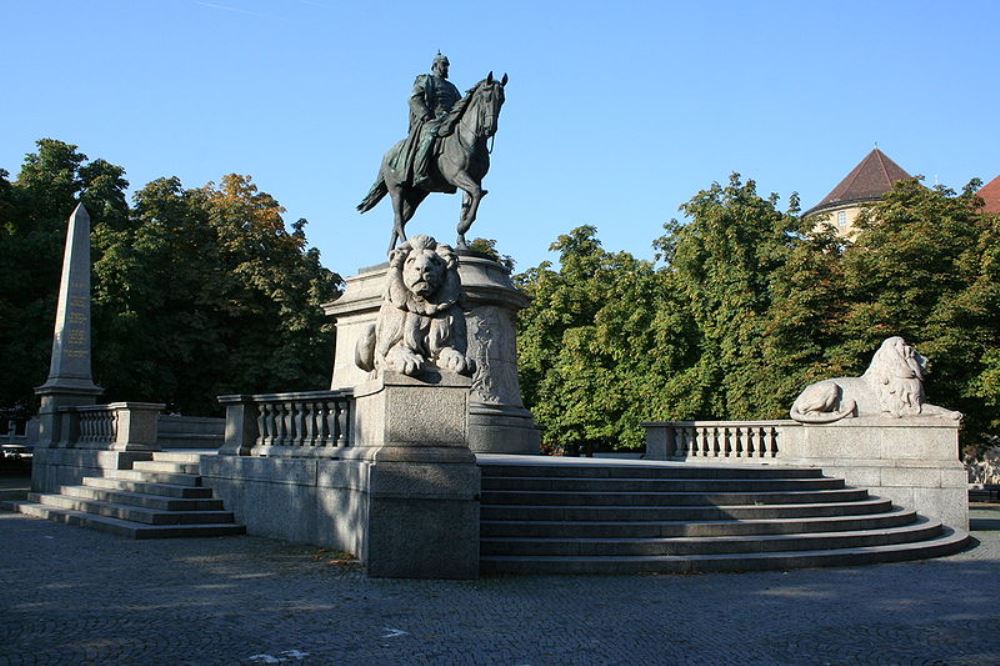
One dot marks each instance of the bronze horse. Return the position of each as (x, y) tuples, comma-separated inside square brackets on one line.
[(461, 160)]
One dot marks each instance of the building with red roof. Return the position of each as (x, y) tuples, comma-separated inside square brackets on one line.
[(866, 183), (991, 195)]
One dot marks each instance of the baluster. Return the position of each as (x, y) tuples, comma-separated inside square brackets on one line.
[(262, 424), (112, 426), (298, 429), (331, 414), (281, 422), (325, 423), (773, 439), (290, 424), (751, 449), (343, 415), (267, 424), (738, 441), (308, 416), (272, 423)]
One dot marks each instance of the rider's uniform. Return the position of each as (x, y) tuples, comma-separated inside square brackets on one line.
[(432, 96)]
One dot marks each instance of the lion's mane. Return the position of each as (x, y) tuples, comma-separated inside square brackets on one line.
[(418, 327)]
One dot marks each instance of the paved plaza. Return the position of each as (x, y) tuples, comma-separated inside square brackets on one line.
[(72, 596)]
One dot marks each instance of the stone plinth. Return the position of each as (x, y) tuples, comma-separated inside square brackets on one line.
[(498, 421), (912, 461), (423, 482)]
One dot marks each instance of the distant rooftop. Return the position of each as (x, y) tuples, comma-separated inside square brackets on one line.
[(869, 180), (991, 195)]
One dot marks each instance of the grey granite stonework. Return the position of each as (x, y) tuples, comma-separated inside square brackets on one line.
[(498, 421), (70, 382)]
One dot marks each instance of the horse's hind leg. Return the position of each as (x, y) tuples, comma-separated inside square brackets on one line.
[(398, 222), (412, 199)]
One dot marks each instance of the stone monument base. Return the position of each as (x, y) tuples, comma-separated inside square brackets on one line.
[(498, 420), (423, 482), (403, 495)]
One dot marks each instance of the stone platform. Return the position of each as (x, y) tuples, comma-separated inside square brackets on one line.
[(572, 515)]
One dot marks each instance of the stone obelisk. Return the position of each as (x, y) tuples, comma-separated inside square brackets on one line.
[(70, 382)]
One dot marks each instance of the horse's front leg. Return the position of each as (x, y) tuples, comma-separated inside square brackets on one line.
[(474, 193)]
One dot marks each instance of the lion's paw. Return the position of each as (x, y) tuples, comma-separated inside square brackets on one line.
[(405, 361), (454, 360)]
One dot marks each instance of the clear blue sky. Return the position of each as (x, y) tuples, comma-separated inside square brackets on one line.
[(616, 112)]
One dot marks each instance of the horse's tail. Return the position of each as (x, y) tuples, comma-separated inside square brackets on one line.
[(375, 195)]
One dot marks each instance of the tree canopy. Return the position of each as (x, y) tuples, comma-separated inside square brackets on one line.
[(749, 304), (196, 292)]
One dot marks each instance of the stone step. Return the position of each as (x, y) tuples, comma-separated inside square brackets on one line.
[(154, 477), (672, 513), (131, 513), (949, 541), (919, 530), (499, 497), (167, 467), (177, 456), (150, 501), (684, 528), (124, 527), (162, 489), (644, 470), (645, 485)]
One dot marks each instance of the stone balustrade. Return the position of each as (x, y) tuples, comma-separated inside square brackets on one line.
[(116, 426), (754, 440), (312, 423)]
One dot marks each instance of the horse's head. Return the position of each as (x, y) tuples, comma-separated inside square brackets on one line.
[(487, 98)]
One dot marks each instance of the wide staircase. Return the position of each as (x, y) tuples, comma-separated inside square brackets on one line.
[(159, 498), (592, 517)]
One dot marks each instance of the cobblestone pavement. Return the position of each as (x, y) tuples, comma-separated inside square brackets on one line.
[(73, 596)]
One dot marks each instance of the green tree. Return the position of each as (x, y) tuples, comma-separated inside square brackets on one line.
[(33, 213), (208, 293), (589, 342), (197, 292), (924, 267), (723, 262)]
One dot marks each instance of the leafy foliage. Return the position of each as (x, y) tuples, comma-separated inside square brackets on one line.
[(197, 292), (749, 304)]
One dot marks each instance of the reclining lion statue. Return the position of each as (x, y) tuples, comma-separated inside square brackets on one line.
[(421, 319), (891, 386)]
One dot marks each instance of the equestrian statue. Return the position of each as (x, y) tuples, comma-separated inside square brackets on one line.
[(445, 150)]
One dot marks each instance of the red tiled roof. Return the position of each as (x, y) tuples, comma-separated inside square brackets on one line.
[(991, 195), (873, 177)]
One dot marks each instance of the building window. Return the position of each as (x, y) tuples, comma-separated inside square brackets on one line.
[(842, 219)]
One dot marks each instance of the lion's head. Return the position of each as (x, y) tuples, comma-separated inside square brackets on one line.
[(423, 276), (896, 375)]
